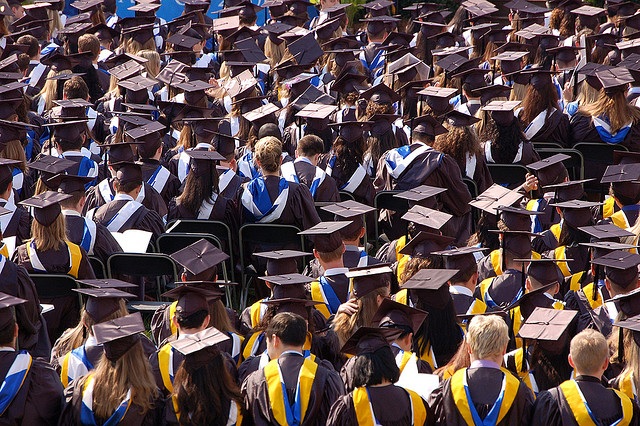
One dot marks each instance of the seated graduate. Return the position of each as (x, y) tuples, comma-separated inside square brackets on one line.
[(484, 392), (105, 191), (50, 252), (121, 389), (191, 316), (354, 214), (625, 192), (124, 212), (291, 388), (200, 198), (229, 182), (16, 222), (304, 169), (200, 262), (203, 388), (271, 198), (626, 381), (584, 399), (68, 138), (395, 315), (375, 372), (94, 238), (463, 283), (32, 393)]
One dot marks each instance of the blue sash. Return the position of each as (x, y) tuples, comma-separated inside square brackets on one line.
[(601, 125), (28, 149), (332, 298), (86, 409), (80, 353), (490, 302), (492, 417), (86, 237), (256, 200), (14, 379)]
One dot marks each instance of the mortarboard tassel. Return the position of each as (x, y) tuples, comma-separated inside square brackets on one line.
[(620, 346)]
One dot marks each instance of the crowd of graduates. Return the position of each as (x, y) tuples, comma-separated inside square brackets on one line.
[(421, 286)]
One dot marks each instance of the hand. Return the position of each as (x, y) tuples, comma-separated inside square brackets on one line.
[(349, 308), (530, 183)]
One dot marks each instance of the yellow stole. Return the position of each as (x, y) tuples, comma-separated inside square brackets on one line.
[(316, 296), (406, 357), (560, 254), (255, 313), (627, 386), (460, 396), (402, 296), (609, 207), (620, 219), (246, 353), (574, 282), (400, 243), (274, 387), (172, 313), (484, 286), (4, 250), (522, 370), (496, 261), (364, 409), (572, 394), (76, 257), (165, 358), (556, 230)]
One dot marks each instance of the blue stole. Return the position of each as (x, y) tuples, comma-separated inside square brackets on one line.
[(14, 379), (332, 299), (86, 239), (86, 409), (259, 197), (601, 125), (492, 417)]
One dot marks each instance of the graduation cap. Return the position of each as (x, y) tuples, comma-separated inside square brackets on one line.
[(380, 94), (6, 169), (391, 314), (428, 125), (510, 61), (606, 231), (368, 340), (517, 243), (141, 33), (548, 325), (515, 218), (49, 165), (548, 169), (570, 190), (425, 243), (105, 283), (193, 298), (632, 324), (460, 119), (589, 15), (102, 302), (203, 161), (326, 236), (620, 267), (183, 42), (68, 184), (118, 336), (577, 213), (281, 262), (494, 197), (129, 173), (426, 217), (628, 303), (614, 80), (275, 29), (326, 29), (434, 283), (544, 271), (86, 5), (351, 131), (145, 9), (295, 305), (122, 58), (377, 24), (352, 212), (420, 193), (502, 111), (199, 257), (438, 97), (624, 179), (7, 309), (626, 157), (462, 259), (46, 206), (305, 50), (199, 349)]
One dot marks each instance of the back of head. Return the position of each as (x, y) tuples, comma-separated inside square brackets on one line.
[(268, 151), (289, 327), (269, 129), (89, 43), (32, 42), (589, 351), (76, 88), (310, 145), (487, 336)]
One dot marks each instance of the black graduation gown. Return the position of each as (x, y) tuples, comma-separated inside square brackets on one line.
[(529, 155), (434, 169), (104, 246), (171, 187), (582, 130), (143, 219), (19, 225), (231, 188), (391, 406), (484, 386), (327, 190), (224, 210), (32, 336), (551, 408), (462, 302), (555, 129), (326, 389), (504, 288), (39, 400), (480, 174), (152, 200)]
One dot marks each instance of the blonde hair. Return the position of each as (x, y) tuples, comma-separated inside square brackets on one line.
[(134, 47), (219, 317), (487, 336), (587, 94), (589, 350), (14, 150), (518, 92), (268, 151), (152, 66), (49, 237), (113, 380), (55, 23), (275, 52), (50, 89), (345, 325), (615, 107), (631, 355)]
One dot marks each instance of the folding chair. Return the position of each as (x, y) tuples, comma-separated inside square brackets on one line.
[(57, 290), (508, 175), (597, 156), (388, 201), (134, 268), (574, 165), (546, 145), (98, 267), (346, 196), (257, 237)]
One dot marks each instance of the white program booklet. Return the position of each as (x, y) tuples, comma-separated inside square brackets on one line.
[(133, 240)]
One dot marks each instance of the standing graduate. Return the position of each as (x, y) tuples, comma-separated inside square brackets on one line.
[(484, 393), (290, 389), (584, 400)]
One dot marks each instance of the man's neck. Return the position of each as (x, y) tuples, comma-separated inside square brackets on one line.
[(289, 349), (332, 265), (355, 243), (276, 174)]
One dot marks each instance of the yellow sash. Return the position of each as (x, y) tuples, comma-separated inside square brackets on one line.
[(556, 230), (484, 286), (316, 296), (560, 254), (619, 219), (522, 370), (364, 409), (609, 207), (274, 388), (4, 250), (516, 324), (531, 205), (448, 372), (429, 357), (402, 264), (255, 313), (571, 393), (246, 353), (400, 243), (460, 396), (574, 282), (64, 370), (76, 257), (588, 294), (402, 296), (496, 262), (406, 357), (627, 386), (165, 358), (172, 313)]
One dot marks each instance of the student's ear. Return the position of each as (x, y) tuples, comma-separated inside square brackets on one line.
[(315, 254), (362, 231), (571, 362)]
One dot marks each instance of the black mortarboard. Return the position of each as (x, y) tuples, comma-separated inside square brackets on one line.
[(548, 169), (621, 267), (502, 111), (352, 212), (494, 197), (461, 259), (544, 271), (434, 283), (515, 218), (193, 298), (380, 94), (6, 170), (437, 98), (281, 262), (570, 190), (547, 324), (426, 217), (577, 213), (46, 206), (50, 166), (118, 336), (428, 125), (7, 310), (288, 285), (293, 305), (102, 302), (425, 243), (351, 131), (129, 173), (606, 231), (107, 283), (614, 80), (420, 193), (326, 236), (517, 243), (68, 184), (460, 119), (624, 179), (391, 314), (368, 278), (199, 257), (200, 349), (628, 303), (368, 340)]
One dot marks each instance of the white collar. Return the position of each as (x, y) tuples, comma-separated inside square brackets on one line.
[(335, 271), (69, 212), (291, 352), (72, 154), (305, 159), (458, 289), (634, 90), (7, 349), (183, 336), (91, 341), (352, 248), (121, 196)]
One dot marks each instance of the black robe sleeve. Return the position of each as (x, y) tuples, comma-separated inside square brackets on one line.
[(105, 244), (546, 411), (342, 412), (45, 397), (303, 208)]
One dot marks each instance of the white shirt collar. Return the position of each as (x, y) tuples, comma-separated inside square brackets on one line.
[(69, 212), (7, 349), (123, 197), (91, 341), (335, 271), (458, 289)]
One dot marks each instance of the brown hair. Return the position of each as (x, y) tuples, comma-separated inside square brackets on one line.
[(14, 150), (75, 87), (268, 151), (89, 43), (345, 325), (332, 255), (459, 142), (51, 237), (615, 107), (113, 380), (538, 100)]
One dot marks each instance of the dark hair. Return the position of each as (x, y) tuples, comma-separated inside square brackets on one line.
[(69, 145), (505, 142), (76, 88), (349, 156), (465, 275), (623, 199), (127, 187), (6, 333), (379, 144), (289, 327), (310, 145), (205, 390), (23, 62), (73, 201), (32, 42), (194, 320), (197, 189), (372, 368), (538, 100)]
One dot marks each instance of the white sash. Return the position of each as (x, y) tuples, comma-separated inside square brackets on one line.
[(160, 179), (410, 368), (207, 207), (356, 179), (489, 157), (537, 123), (6, 219), (225, 179), (92, 115), (141, 194), (288, 172), (264, 360), (403, 163), (470, 167), (34, 259), (91, 226), (183, 165), (36, 74), (123, 215), (233, 413), (105, 190), (237, 344)]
